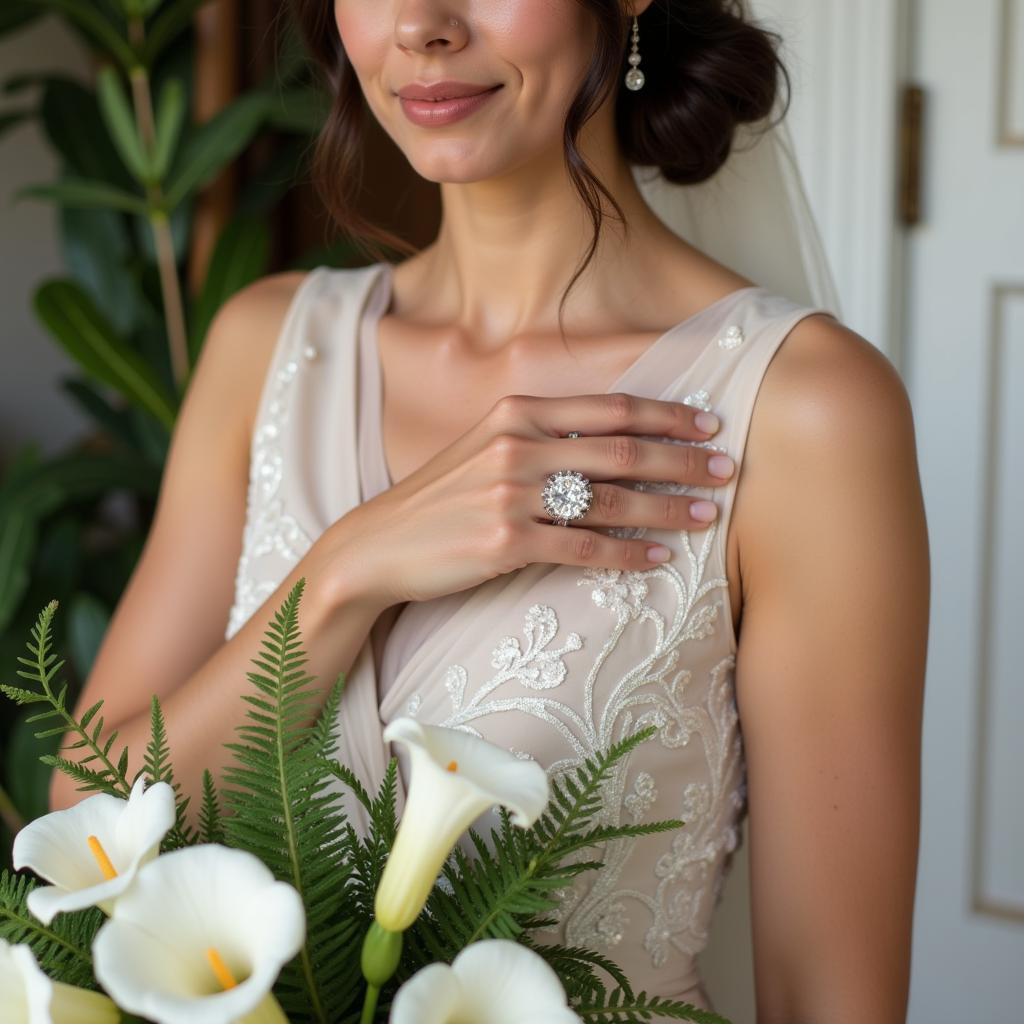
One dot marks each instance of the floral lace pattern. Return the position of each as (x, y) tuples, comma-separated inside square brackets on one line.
[(269, 529), (530, 675)]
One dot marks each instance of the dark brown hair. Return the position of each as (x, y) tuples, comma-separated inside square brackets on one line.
[(708, 68)]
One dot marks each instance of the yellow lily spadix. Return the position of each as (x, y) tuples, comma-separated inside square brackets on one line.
[(92, 851), (200, 938), (30, 997), (454, 777), (108, 869)]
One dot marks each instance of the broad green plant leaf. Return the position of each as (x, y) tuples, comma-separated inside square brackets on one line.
[(239, 258), (87, 335), (119, 119), (73, 124), (215, 144), (86, 194), (170, 117)]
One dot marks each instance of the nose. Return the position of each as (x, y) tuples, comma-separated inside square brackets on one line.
[(422, 27)]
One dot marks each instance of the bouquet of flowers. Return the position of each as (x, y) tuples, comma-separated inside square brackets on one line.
[(271, 908)]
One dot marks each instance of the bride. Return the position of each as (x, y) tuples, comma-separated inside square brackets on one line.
[(598, 457)]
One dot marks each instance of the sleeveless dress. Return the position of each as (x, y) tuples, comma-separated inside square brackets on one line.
[(552, 662)]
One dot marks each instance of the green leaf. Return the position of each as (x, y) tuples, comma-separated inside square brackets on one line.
[(116, 422), (79, 192), (98, 253), (120, 121), (214, 144), (283, 812), (73, 124), (27, 777), (96, 27), (170, 117), (239, 258), (173, 19), (84, 332), (62, 947), (88, 621), (18, 535)]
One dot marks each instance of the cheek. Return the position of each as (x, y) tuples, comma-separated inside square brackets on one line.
[(549, 43)]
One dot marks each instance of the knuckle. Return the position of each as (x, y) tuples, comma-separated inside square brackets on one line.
[(611, 502), (688, 461), (504, 495), (621, 406), (672, 510), (583, 544), (624, 451), (504, 537), (510, 408), (505, 450)]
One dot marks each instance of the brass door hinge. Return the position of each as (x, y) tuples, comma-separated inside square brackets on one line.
[(910, 169)]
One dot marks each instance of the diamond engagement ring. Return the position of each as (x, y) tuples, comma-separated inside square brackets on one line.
[(567, 494)]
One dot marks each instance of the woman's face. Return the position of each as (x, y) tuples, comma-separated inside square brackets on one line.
[(535, 51)]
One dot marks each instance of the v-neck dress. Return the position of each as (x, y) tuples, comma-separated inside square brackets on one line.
[(552, 662)]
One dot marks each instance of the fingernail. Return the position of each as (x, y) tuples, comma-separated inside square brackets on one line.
[(705, 511), (721, 465), (658, 553), (706, 421)]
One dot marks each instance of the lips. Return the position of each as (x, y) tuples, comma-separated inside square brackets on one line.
[(443, 90)]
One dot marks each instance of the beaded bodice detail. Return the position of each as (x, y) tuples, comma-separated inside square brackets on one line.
[(553, 662)]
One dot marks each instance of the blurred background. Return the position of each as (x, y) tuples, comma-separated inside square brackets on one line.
[(908, 118)]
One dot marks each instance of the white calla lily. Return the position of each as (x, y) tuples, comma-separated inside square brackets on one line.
[(494, 981), (91, 852), (31, 997), (454, 777), (200, 938)]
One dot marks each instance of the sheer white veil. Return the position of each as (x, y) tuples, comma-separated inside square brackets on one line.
[(753, 215)]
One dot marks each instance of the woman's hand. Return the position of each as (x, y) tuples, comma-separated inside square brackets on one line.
[(475, 510)]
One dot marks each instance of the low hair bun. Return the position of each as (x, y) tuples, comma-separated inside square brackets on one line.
[(707, 69)]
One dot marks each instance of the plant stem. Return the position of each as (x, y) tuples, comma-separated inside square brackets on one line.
[(369, 1004), (163, 241), (9, 813)]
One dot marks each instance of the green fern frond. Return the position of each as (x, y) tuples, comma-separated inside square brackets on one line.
[(107, 776), (509, 886), (62, 947), (158, 768), (574, 965), (617, 1006), (211, 829), (284, 815)]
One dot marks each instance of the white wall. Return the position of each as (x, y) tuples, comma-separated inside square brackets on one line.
[(31, 405)]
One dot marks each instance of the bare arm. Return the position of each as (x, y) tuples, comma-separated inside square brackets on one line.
[(167, 633), (830, 678)]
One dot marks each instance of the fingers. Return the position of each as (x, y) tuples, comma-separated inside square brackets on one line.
[(630, 458), (614, 413), (576, 545), (613, 505)]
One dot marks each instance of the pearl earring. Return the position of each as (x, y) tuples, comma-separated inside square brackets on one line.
[(634, 76)]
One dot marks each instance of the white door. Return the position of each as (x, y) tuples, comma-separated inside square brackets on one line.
[(944, 298), (965, 369)]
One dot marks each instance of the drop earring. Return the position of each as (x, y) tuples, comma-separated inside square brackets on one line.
[(634, 76)]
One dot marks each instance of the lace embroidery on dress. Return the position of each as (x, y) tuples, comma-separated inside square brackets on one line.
[(592, 909), (268, 526)]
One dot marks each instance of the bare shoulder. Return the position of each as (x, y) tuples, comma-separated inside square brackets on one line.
[(832, 423), (244, 333), (826, 382)]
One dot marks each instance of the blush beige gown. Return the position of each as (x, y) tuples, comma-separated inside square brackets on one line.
[(552, 662)]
